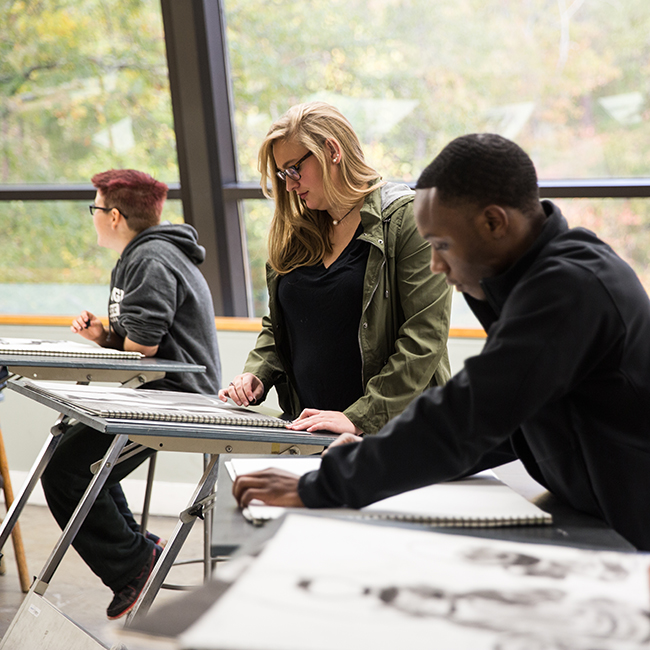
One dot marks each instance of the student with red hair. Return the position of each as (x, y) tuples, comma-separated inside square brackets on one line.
[(159, 305)]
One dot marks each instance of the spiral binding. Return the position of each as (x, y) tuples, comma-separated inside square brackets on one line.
[(195, 418)]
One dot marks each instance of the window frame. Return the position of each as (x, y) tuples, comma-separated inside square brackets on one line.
[(210, 192)]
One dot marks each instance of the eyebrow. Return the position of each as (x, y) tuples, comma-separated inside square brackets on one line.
[(290, 163)]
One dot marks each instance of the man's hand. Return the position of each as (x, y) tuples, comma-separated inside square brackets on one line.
[(343, 439), (317, 420), (90, 327), (275, 487), (244, 390)]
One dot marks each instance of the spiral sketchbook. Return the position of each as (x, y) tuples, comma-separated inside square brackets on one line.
[(478, 501), (159, 405), (54, 348)]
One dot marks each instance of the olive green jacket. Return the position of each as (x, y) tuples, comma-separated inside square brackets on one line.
[(404, 320)]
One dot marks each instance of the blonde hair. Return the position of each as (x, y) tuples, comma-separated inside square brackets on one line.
[(300, 236)]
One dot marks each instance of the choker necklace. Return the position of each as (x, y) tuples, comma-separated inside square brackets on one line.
[(336, 222)]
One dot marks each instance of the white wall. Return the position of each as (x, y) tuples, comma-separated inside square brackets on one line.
[(25, 423)]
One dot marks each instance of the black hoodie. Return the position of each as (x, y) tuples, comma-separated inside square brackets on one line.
[(159, 297), (563, 377)]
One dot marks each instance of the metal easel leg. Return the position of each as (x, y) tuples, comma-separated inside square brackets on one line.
[(60, 427), (147, 493), (207, 533), (39, 621), (80, 513), (203, 492)]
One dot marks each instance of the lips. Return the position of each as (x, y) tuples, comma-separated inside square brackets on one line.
[(303, 195)]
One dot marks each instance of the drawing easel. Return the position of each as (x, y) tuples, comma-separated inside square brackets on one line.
[(211, 439), (127, 372)]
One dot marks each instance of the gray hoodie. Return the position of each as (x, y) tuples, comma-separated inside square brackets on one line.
[(159, 297)]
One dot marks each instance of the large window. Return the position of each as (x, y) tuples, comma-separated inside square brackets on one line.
[(50, 261), (569, 81), (622, 223), (83, 88)]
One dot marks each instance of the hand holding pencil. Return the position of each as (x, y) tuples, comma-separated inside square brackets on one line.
[(89, 326)]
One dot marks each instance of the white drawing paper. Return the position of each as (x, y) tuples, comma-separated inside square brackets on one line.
[(481, 500), (321, 584), (42, 347)]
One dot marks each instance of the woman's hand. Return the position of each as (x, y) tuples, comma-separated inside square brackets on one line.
[(317, 420), (89, 326), (244, 390)]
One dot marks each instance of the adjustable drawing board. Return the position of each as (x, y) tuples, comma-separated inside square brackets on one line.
[(212, 439), (84, 370), (180, 436)]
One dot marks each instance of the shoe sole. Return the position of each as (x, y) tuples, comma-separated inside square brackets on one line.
[(132, 605)]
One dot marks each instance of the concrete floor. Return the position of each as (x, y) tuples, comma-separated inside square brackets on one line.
[(74, 589)]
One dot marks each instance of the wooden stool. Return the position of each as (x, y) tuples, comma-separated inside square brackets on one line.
[(16, 537)]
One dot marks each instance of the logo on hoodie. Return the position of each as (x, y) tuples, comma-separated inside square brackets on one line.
[(117, 295)]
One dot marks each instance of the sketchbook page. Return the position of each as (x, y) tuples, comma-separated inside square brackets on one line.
[(323, 583), (41, 347), (169, 406), (298, 465), (479, 500)]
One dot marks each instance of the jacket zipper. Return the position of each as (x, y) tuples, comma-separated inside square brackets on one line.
[(372, 295)]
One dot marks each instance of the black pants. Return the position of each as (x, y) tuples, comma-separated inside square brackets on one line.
[(106, 542)]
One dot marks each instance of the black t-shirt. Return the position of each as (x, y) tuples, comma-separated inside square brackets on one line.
[(322, 310)]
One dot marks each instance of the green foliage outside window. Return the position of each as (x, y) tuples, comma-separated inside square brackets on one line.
[(569, 81), (84, 87)]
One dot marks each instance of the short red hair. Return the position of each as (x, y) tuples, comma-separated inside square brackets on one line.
[(135, 194)]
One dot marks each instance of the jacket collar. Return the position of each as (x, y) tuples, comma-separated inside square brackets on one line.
[(498, 288), (378, 207), (371, 218)]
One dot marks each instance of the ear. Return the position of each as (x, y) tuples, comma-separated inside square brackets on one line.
[(333, 150), (496, 221), (115, 218)]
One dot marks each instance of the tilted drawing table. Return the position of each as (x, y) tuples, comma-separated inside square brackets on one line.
[(232, 534), (209, 439), (82, 370), (570, 527)]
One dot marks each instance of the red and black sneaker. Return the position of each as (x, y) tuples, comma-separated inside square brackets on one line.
[(124, 599)]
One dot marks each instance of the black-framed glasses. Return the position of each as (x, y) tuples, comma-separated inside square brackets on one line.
[(292, 172), (94, 207)]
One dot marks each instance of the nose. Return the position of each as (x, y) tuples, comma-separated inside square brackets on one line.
[(438, 265), (291, 183)]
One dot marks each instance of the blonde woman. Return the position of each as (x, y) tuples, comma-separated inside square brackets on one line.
[(357, 324)]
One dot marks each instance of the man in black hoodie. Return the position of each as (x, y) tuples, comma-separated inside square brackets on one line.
[(562, 382), (159, 305)]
